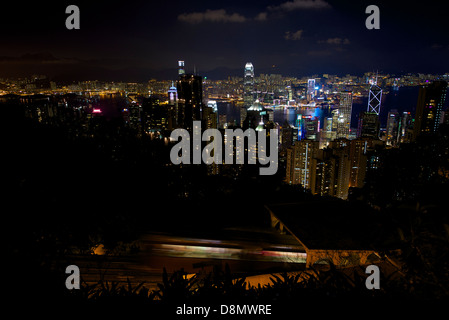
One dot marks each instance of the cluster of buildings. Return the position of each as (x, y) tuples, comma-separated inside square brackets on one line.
[(338, 161), (320, 150)]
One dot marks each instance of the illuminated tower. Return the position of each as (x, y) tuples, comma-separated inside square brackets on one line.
[(392, 128), (172, 95), (173, 106), (248, 85), (374, 100), (310, 89), (181, 70), (405, 127)]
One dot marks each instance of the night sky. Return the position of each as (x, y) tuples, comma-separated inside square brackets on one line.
[(137, 40)]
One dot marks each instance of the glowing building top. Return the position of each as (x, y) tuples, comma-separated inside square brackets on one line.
[(181, 70)]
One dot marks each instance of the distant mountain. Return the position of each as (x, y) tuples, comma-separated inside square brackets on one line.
[(222, 73), (41, 56)]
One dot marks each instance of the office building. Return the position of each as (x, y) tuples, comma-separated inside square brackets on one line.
[(429, 108), (181, 69), (248, 85), (405, 130), (299, 163), (344, 115), (374, 98), (392, 130), (173, 106), (190, 100), (369, 125), (310, 89), (154, 115)]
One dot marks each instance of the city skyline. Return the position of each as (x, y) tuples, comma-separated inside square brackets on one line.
[(229, 155), (292, 38)]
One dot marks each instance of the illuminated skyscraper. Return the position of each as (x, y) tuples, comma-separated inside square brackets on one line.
[(155, 117), (344, 114), (392, 128), (181, 70), (429, 107), (405, 130), (173, 106), (248, 85), (310, 89), (374, 99), (299, 163)]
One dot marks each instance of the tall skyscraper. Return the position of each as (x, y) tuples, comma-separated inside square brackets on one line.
[(368, 125), (173, 106), (429, 107), (310, 89), (324, 181), (154, 115), (248, 85), (181, 70), (374, 99), (358, 161), (299, 163), (344, 114), (392, 129), (190, 100), (405, 130)]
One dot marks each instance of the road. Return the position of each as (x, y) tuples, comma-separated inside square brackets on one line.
[(247, 252)]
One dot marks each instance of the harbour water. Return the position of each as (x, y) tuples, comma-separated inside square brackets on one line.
[(402, 100)]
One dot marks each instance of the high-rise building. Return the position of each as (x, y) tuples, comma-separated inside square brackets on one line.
[(344, 114), (311, 127), (374, 98), (134, 117), (289, 90), (342, 169), (248, 85), (358, 162), (331, 170), (154, 115), (368, 125), (190, 100), (392, 130), (286, 138), (405, 130), (299, 163), (181, 70), (324, 178), (431, 99), (310, 89), (326, 135), (210, 118), (173, 106)]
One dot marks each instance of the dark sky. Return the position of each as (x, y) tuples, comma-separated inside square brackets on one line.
[(137, 40)]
